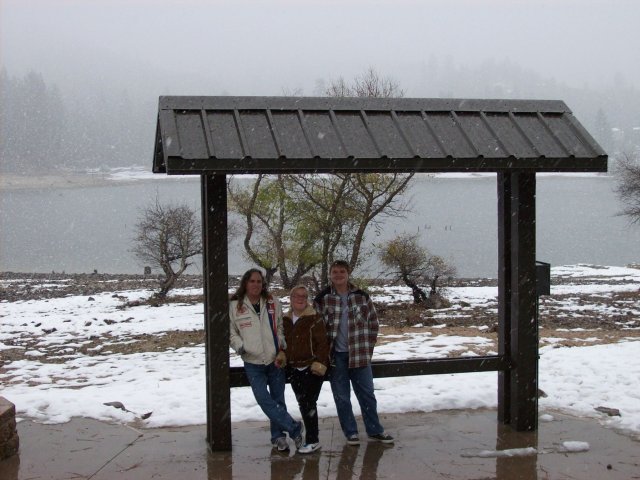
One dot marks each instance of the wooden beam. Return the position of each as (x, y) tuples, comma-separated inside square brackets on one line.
[(408, 368), (504, 292), (176, 165), (524, 328), (216, 310)]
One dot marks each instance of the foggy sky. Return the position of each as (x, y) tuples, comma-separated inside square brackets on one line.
[(244, 47)]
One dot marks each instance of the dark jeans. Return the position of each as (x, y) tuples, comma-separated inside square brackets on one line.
[(342, 378), (307, 388), (267, 383)]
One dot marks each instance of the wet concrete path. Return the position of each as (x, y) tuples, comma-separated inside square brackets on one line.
[(457, 444)]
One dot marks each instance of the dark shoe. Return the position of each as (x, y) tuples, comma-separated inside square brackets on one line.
[(353, 439), (382, 438), (281, 444)]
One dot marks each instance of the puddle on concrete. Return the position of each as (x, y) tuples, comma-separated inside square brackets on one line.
[(460, 444)]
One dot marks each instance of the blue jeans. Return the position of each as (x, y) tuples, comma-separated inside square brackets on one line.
[(341, 377), (271, 400)]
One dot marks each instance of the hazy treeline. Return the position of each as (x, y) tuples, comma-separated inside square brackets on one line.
[(47, 126), (43, 129)]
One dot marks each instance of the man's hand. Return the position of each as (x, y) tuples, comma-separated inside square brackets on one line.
[(318, 369)]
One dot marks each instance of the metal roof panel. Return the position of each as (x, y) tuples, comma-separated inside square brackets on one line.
[(290, 135), (302, 134), (389, 139), (514, 143), (480, 135), (540, 137), (259, 135), (450, 135), (419, 134), (358, 142), (224, 134), (323, 135), (564, 132), (191, 136)]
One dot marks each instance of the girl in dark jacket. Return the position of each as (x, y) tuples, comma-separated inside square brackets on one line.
[(308, 359)]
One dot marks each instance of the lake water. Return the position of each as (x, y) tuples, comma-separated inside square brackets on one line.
[(82, 229)]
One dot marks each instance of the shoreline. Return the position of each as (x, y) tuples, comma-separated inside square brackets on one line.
[(17, 182), (13, 182)]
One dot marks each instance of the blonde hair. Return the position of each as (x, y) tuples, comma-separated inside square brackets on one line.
[(299, 287)]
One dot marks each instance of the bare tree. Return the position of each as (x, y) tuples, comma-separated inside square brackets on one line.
[(628, 189), (411, 263), (369, 84), (339, 88), (167, 236)]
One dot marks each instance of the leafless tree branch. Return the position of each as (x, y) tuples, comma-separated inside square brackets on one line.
[(167, 236)]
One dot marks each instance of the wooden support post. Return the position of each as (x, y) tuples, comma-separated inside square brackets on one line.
[(524, 329), (504, 293), (216, 310), (516, 466)]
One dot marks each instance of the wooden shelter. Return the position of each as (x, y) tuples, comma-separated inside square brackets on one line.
[(218, 136)]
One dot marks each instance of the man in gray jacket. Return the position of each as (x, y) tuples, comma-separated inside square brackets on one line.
[(256, 334)]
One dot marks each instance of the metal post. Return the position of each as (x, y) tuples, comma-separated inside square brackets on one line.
[(216, 310)]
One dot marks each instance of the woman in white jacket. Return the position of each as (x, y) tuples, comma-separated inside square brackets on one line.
[(256, 334)]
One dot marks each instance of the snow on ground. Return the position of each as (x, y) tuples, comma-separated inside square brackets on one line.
[(583, 270), (171, 384), (82, 317)]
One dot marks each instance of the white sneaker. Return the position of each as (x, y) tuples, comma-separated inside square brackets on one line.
[(309, 448), (281, 444)]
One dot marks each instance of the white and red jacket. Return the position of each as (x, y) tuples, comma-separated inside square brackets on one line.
[(251, 335)]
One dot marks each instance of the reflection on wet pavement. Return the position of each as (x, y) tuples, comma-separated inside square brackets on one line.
[(460, 444)]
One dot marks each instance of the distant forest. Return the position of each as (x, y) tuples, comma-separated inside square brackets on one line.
[(44, 128)]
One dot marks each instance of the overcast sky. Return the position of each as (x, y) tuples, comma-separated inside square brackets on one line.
[(244, 47)]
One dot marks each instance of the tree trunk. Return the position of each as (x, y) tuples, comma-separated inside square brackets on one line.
[(166, 285), (434, 283), (270, 272), (419, 295)]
